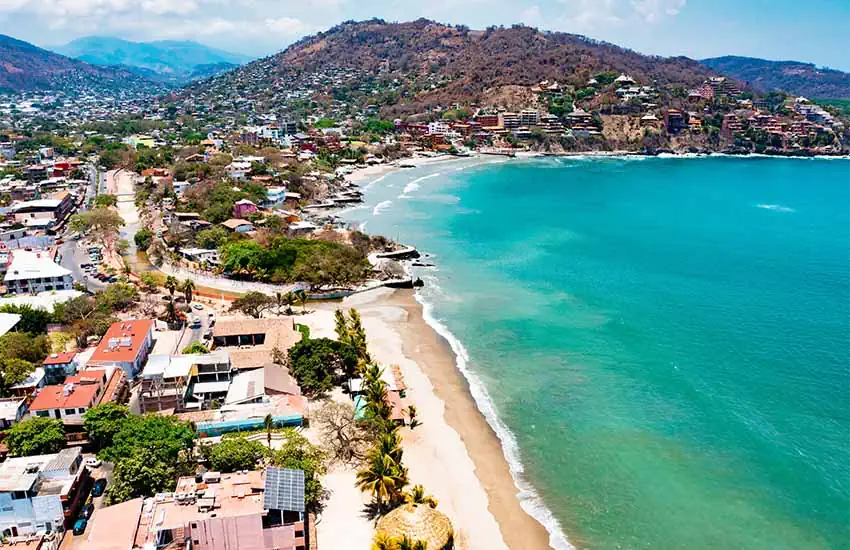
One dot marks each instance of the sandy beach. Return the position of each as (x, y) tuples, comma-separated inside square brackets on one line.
[(454, 453)]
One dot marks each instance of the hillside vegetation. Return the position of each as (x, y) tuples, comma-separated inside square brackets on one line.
[(791, 76)]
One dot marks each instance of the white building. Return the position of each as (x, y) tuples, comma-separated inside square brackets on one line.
[(38, 493), (32, 272), (438, 128)]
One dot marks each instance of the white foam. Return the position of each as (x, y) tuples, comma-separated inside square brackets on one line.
[(775, 207), (414, 185), (373, 182), (528, 497), (380, 207)]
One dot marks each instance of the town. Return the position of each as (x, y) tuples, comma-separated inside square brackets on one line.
[(173, 370)]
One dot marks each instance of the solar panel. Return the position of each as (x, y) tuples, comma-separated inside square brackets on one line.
[(284, 490)]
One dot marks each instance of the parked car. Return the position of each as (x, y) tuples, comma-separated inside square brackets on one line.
[(80, 526), (99, 488), (197, 306), (93, 462), (87, 511)]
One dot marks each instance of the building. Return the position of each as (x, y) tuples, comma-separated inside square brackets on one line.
[(8, 322), (12, 411), (529, 117), (57, 366), (675, 121), (42, 493), (31, 272), (244, 207), (510, 121), (35, 381), (253, 510), (126, 344), (184, 382), (68, 402), (238, 226), (200, 255), (43, 212), (250, 341)]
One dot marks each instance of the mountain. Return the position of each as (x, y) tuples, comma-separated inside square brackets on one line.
[(25, 67), (425, 63), (170, 61), (790, 76)]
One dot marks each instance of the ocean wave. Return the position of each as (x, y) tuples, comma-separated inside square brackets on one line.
[(374, 181), (775, 207), (528, 497), (380, 207), (414, 185), (362, 227)]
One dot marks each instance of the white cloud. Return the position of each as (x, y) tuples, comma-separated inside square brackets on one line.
[(652, 10), (531, 16), (288, 26)]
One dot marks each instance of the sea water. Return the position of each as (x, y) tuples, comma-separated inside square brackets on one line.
[(662, 344)]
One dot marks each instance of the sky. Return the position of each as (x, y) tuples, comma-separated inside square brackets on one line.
[(816, 31)]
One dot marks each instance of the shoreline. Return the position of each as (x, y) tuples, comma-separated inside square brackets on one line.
[(455, 453)]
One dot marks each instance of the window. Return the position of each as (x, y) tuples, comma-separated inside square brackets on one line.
[(82, 410), (42, 413), (70, 411)]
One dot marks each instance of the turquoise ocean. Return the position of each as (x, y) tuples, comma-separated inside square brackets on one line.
[(661, 343)]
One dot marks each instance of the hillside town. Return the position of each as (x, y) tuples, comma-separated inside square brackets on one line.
[(171, 373)]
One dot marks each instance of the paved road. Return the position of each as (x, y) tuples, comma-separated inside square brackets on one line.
[(72, 254), (194, 334)]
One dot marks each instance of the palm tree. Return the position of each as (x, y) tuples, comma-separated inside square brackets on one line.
[(301, 297), (171, 284), (268, 424), (289, 299), (382, 478), (389, 444), (382, 541), (411, 413), (341, 327), (407, 543), (188, 289), (417, 495)]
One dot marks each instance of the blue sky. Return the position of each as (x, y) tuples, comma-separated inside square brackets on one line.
[(815, 31)]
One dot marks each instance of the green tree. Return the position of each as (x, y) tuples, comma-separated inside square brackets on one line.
[(33, 320), (234, 454), (301, 297), (317, 362), (171, 284), (417, 495), (195, 348), (167, 436), (383, 479), (104, 421), (36, 436), (14, 371), (105, 201), (142, 474), (25, 346), (148, 281), (188, 289), (211, 238), (102, 223), (143, 239), (268, 424), (252, 304), (297, 453)]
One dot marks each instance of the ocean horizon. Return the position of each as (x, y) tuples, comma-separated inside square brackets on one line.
[(660, 343)]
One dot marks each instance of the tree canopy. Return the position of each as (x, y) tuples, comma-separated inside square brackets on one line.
[(234, 454), (36, 436), (316, 363), (298, 453), (104, 421)]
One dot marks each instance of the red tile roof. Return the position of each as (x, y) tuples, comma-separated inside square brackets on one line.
[(137, 331), (60, 358), (53, 397)]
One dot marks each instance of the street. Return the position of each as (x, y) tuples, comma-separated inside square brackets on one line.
[(194, 334)]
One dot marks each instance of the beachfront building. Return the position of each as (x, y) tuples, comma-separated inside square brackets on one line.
[(31, 272), (126, 345), (256, 510), (41, 493)]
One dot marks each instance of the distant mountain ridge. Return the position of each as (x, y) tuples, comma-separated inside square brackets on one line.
[(790, 76), (24, 67), (438, 64), (176, 62)]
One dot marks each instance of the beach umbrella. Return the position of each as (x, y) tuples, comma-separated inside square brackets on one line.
[(419, 522)]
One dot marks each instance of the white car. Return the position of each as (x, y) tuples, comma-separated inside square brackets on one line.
[(93, 462), (199, 307)]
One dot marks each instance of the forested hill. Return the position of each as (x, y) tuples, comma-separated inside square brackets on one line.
[(791, 76), (24, 66), (431, 63)]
